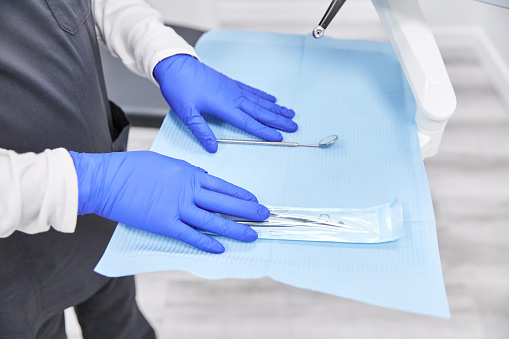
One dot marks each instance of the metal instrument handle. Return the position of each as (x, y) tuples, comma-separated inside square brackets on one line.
[(333, 9), (331, 12), (271, 143)]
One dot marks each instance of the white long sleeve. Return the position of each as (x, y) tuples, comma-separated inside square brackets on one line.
[(134, 31), (37, 191)]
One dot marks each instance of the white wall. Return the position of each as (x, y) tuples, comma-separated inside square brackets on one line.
[(495, 49), (496, 25), (274, 15), (453, 13), (198, 14)]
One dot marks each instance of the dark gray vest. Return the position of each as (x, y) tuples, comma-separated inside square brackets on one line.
[(52, 92)]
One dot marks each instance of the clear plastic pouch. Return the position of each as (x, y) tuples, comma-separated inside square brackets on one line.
[(369, 225)]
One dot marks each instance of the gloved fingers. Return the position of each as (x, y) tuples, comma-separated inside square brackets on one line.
[(255, 91), (225, 204), (245, 122), (215, 184), (190, 236), (269, 105), (213, 223), (267, 117), (199, 127)]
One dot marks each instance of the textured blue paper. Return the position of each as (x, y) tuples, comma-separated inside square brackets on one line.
[(355, 89)]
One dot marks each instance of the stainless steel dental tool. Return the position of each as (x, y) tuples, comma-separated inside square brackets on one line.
[(366, 225), (333, 9), (323, 143)]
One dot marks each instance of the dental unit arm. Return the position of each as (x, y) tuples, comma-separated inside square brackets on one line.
[(422, 64)]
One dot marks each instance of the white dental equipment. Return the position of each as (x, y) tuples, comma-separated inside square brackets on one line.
[(421, 61)]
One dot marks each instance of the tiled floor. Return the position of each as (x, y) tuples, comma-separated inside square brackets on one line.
[(469, 181)]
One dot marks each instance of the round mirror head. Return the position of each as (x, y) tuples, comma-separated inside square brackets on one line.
[(328, 140)]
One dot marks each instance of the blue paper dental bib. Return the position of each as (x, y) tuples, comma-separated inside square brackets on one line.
[(355, 89)]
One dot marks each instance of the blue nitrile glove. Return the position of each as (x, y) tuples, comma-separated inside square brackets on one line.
[(163, 195), (191, 88)]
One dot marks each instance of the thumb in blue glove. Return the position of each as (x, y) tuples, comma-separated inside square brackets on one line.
[(191, 88), (166, 196)]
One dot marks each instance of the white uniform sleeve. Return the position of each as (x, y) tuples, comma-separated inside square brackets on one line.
[(134, 31), (37, 191)]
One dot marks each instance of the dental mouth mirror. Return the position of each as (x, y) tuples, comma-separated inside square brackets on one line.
[(323, 143)]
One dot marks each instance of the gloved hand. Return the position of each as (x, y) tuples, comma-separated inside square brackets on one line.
[(191, 88), (163, 195)]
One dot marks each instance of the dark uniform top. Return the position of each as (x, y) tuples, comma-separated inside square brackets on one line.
[(52, 94)]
